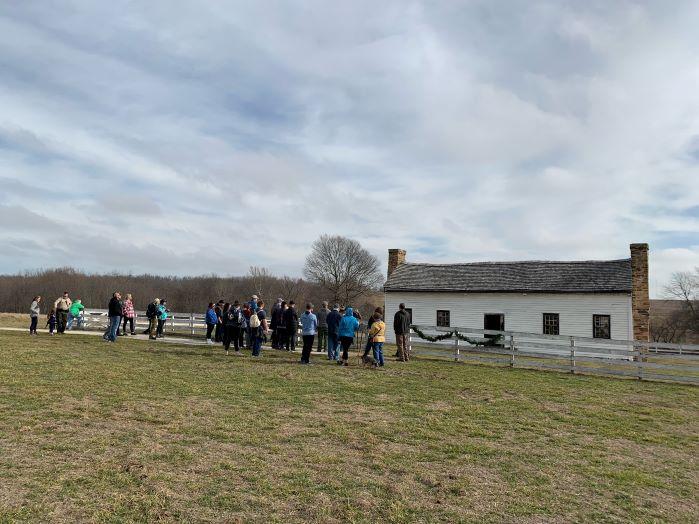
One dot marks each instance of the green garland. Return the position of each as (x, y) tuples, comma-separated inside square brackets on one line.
[(473, 341)]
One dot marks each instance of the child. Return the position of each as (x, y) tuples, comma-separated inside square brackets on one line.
[(51, 321), (377, 333)]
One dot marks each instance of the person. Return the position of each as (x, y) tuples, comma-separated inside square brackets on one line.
[(322, 315), (377, 334), (348, 326), (369, 342), (152, 316), (115, 313), (51, 321), (291, 325), (74, 313), (62, 306), (220, 326), (162, 317), (224, 316), (333, 320), (34, 312), (129, 314), (235, 324), (277, 310), (261, 329), (211, 322), (309, 328), (247, 337), (401, 327), (253, 303)]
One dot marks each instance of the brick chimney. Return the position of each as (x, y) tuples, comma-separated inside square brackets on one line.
[(396, 257), (640, 299)]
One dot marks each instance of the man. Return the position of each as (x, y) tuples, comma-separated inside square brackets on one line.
[(153, 314), (309, 327), (277, 310), (253, 303), (291, 324), (261, 329), (333, 321), (235, 326), (322, 315), (115, 313), (62, 307), (401, 327)]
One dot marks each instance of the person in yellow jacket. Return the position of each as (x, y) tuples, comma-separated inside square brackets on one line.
[(377, 333)]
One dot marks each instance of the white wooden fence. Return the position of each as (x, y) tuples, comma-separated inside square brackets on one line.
[(641, 360)]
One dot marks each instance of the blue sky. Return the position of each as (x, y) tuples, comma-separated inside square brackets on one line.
[(200, 137)]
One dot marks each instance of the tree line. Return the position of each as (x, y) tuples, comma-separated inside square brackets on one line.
[(338, 270)]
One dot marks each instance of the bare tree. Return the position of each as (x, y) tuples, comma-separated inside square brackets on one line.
[(343, 267), (262, 280), (684, 286)]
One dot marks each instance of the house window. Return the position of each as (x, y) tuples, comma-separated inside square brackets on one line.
[(601, 326), (551, 324), (443, 319), (410, 314)]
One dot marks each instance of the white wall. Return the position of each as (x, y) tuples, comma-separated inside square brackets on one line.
[(523, 312)]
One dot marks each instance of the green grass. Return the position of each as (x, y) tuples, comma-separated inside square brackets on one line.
[(137, 431)]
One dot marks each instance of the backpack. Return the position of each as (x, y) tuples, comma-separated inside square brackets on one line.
[(254, 321), (151, 310), (235, 318)]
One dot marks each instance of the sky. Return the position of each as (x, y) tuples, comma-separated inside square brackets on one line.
[(198, 137)]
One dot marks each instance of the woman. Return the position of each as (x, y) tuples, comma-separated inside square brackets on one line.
[(348, 326), (211, 322), (129, 313), (377, 334), (34, 311), (224, 315)]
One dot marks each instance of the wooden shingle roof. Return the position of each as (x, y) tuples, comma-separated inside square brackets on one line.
[(591, 276)]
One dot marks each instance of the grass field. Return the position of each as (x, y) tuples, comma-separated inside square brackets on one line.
[(140, 431)]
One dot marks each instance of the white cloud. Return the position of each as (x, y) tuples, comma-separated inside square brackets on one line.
[(207, 137)]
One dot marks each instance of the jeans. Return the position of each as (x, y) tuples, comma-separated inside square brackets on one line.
[(369, 345), (209, 330), (346, 344), (129, 321), (113, 328), (32, 326), (256, 345), (220, 330), (333, 346), (161, 324), (378, 353), (69, 324), (322, 338), (307, 348)]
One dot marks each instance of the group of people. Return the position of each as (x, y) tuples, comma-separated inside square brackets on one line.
[(335, 329), (64, 314), (246, 325)]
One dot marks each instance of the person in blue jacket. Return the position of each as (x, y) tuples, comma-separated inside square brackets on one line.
[(211, 322), (348, 327)]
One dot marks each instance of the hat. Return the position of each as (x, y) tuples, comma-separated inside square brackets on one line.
[(236, 303)]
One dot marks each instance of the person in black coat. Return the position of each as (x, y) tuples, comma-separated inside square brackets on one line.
[(401, 327), (291, 323)]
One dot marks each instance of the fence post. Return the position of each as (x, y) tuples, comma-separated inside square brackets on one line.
[(572, 355), (512, 351), (640, 362), (456, 347), (191, 323)]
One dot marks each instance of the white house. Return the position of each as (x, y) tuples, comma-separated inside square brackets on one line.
[(593, 298)]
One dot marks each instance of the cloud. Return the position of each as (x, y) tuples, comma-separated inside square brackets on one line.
[(206, 137)]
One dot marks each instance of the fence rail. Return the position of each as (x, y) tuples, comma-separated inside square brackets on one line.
[(584, 355)]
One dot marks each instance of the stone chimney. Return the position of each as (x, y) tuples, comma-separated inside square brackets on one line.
[(640, 299), (396, 257)]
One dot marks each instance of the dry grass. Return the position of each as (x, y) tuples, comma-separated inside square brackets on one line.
[(140, 431)]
